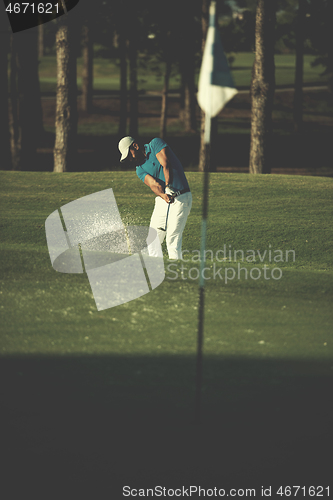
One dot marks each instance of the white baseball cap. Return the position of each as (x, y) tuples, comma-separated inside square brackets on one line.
[(124, 145)]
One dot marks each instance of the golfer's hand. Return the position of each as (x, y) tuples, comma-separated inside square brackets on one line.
[(170, 191), (168, 198)]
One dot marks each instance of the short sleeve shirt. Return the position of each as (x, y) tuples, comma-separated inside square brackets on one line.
[(152, 166)]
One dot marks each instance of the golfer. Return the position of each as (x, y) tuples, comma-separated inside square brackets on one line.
[(159, 168)]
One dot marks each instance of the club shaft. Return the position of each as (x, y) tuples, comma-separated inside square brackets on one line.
[(167, 215)]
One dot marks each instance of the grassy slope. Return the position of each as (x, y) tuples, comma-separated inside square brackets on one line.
[(291, 315), (106, 73), (93, 401)]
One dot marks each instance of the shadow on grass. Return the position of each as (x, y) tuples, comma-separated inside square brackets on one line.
[(86, 425)]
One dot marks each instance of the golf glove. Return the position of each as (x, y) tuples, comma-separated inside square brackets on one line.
[(170, 191)]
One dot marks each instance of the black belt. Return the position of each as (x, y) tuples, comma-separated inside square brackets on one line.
[(178, 193)]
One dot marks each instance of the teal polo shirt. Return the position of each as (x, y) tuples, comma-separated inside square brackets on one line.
[(152, 166)]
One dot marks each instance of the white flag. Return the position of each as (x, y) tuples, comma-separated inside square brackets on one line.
[(216, 86)]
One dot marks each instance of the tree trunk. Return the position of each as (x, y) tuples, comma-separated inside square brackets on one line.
[(123, 84), (329, 66), (185, 110), (164, 108), (187, 70), (6, 160), (27, 114), (182, 97), (87, 72), (65, 147), (15, 129), (204, 28), (40, 41), (298, 96), (262, 88), (28, 54), (133, 86), (188, 114)]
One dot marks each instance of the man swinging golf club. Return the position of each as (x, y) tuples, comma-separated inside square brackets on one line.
[(159, 168)]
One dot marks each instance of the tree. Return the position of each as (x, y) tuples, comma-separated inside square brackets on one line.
[(162, 34), (320, 20), (188, 113), (125, 25), (65, 147), (26, 122), (300, 37), (122, 43), (87, 70), (262, 88), (4, 111), (186, 34), (165, 93), (187, 51), (40, 40), (164, 47), (133, 74), (237, 33), (133, 13), (14, 122)]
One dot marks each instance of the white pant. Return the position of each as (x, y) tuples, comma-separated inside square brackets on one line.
[(178, 213)]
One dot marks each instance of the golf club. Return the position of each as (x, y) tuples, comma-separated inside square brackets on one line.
[(166, 220)]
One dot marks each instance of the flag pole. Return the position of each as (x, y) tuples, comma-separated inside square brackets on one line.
[(215, 89), (208, 122)]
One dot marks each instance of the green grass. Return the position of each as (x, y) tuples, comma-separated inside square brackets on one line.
[(106, 73), (284, 69), (45, 312), (93, 401)]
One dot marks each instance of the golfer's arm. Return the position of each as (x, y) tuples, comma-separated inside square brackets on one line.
[(155, 187), (162, 158)]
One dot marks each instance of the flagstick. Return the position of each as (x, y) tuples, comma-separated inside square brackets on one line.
[(215, 89), (202, 265)]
